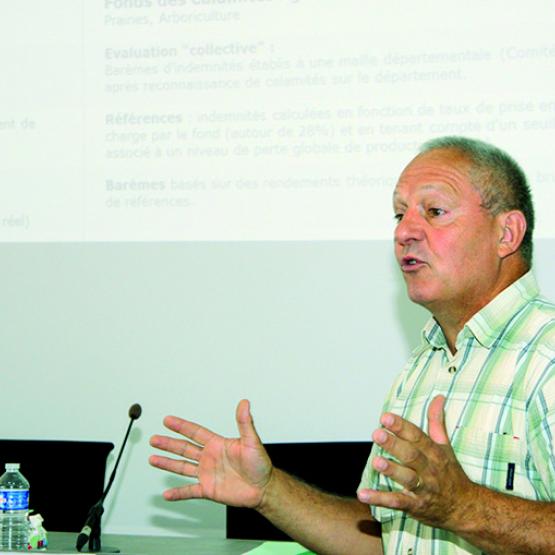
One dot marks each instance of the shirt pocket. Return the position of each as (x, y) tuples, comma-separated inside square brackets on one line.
[(491, 459)]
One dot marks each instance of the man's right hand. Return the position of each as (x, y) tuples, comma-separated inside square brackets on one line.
[(230, 471)]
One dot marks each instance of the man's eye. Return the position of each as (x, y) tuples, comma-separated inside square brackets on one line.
[(398, 217), (436, 212)]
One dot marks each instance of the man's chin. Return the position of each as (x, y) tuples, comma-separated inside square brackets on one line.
[(420, 296)]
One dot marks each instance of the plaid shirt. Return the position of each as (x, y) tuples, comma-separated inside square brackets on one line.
[(500, 409)]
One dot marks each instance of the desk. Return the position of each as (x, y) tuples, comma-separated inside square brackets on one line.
[(155, 545)]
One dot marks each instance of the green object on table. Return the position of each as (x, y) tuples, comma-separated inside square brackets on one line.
[(280, 548)]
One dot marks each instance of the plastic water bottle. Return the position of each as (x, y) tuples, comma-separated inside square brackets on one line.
[(14, 509)]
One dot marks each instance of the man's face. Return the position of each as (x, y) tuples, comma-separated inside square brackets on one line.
[(445, 242)]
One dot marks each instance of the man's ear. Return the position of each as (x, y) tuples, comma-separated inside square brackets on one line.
[(512, 230)]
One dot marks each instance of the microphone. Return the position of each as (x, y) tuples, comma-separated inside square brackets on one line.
[(92, 524), (91, 530)]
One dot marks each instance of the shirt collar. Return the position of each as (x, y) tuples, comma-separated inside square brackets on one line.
[(487, 324)]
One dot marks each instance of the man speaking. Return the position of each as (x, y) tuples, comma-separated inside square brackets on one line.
[(464, 460)]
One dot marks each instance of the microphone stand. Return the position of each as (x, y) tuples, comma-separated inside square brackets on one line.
[(92, 530), (94, 523)]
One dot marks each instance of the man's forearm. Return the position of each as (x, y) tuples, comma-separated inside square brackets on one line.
[(325, 523), (505, 524)]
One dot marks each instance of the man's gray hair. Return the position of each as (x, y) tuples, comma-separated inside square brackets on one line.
[(498, 178)]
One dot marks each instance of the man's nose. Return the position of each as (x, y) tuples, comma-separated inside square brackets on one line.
[(410, 227)]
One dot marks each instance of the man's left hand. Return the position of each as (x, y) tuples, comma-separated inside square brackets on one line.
[(436, 488)]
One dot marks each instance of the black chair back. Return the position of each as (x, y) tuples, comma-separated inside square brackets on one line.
[(335, 467)]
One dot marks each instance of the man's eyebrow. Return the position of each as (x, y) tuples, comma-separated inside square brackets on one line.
[(398, 202)]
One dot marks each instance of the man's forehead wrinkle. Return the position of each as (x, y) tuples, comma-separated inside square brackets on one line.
[(438, 165), (400, 198), (433, 175)]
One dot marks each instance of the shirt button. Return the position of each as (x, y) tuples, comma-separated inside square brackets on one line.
[(452, 369), (410, 551)]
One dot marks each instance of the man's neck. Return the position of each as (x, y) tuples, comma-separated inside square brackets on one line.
[(452, 319)]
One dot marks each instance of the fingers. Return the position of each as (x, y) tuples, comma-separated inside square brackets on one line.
[(410, 446), (401, 428), (403, 475), (201, 435), (406, 451), (181, 467), (191, 452), (436, 421), (245, 424), (191, 491), (191, 430), (408, 442), (402, 501), (179, 447)]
